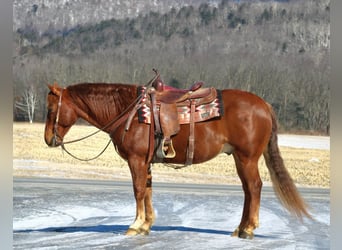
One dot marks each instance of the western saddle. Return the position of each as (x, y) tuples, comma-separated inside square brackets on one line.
[(165, 101)]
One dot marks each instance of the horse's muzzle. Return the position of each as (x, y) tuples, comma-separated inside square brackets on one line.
[(53, 142)]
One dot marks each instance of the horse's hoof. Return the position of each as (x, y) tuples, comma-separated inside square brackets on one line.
[(246, 235), (243, 234), (139, 231), (144, 232), (236, 233), (132, 232)]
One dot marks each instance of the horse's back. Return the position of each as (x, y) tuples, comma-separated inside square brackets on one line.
[(241, 98), (239, 103)]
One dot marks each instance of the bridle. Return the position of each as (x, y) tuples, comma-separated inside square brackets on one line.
[(124, 116), (55, 133)]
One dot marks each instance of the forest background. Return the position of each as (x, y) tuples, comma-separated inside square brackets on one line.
[(276, 49)]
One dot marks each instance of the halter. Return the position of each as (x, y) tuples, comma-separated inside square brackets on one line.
[(55, 133)]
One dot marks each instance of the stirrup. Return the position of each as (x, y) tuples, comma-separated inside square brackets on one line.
[(166, 149)]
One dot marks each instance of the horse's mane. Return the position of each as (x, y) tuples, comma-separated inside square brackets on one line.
[(103, 99)]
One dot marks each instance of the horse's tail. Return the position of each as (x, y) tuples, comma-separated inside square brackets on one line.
[(283, 184)]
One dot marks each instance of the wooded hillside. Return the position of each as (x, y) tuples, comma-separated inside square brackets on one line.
[(278, 50)]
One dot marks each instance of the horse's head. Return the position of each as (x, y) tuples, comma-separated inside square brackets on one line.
[(60, 117)]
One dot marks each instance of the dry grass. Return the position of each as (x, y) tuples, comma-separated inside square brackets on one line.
[(32, 157)]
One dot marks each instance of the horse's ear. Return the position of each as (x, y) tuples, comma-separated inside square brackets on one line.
[(55, 88)]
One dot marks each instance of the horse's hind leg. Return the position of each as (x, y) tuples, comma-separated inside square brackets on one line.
[(142, 185), (248, 172)]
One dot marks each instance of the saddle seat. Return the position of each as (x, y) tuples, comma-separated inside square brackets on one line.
[(168, 94)]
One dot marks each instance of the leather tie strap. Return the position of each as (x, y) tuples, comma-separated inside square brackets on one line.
[(191, 147), (151, 142)]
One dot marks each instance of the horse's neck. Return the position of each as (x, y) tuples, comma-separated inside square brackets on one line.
[(104, 107)]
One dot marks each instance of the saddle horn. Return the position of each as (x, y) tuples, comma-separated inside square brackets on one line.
[(154, 78)]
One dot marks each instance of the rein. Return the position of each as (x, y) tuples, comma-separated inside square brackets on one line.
[(116, 122)]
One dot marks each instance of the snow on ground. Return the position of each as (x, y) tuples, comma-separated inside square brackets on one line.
[(95, 215), (304, 141)]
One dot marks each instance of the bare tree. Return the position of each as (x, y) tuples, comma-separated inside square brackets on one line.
[(28, 102)]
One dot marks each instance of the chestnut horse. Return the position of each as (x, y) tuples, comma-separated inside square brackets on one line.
[(247, 130)]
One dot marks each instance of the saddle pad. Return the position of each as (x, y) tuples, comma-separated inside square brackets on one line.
[(202, 112)]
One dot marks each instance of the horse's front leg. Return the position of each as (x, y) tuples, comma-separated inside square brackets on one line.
[(142, 186), (149, 211)]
